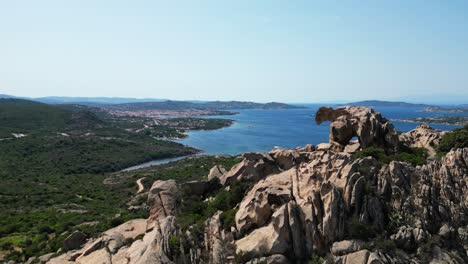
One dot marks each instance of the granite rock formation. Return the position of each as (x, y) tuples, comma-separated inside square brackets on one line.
[(367, 125), (312, 203)]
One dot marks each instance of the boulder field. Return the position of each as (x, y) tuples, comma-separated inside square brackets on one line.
[(315, 204)]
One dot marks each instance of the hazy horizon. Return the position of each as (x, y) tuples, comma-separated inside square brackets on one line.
[(293, 52)]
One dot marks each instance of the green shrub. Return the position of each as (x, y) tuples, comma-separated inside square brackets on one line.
[(316, 260), (358, 230), (174, 245), (457, 138), (228, 218), (415, 156), (425, 251), (376, 153)]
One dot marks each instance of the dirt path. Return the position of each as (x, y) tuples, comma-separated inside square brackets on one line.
[(140, 185)]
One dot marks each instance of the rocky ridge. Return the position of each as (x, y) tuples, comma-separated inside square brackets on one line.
[(311, 204)]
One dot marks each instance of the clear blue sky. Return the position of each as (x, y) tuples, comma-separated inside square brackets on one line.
[(291, 51)]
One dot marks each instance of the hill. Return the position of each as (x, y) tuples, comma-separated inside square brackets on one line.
[(154, 103), (52, 166), (24, 116), (215, 105), (78, 134), (373, 103), (92, 100)]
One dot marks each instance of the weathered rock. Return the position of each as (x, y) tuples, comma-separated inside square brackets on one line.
[(446, 231), (423, 136), (130, 229), (286, 159), (45, 258), (306, 148), (216, 172), (358, 257), (164, 198), (409, 237), (271, 239), (216, 241), (253, 167), (323, 147), (258, 205), (346, 247), (367, 125), (101, 256), (352, 147)]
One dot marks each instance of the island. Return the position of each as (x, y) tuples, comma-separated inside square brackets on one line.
[(445, 120)]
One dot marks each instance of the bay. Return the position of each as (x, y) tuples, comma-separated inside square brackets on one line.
[(263, 130)]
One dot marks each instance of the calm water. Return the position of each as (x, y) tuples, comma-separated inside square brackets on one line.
[(262, 130)]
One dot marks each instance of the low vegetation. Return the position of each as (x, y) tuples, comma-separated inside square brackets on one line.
[(61, 174), (39, 213), (458, 138), (415, 156)]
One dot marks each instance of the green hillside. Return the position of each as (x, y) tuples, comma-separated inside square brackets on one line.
[(23, 116), (54, 171)]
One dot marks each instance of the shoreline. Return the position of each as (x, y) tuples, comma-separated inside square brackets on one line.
[(429, 122)]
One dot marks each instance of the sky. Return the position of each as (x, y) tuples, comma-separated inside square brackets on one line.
[(288, 51)]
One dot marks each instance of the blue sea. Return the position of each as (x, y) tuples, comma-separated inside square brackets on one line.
[(263, 130)]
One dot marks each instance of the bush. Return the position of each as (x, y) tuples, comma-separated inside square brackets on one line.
[(358, 230), (457, 138), (174, 245), (228, 219), (116, 221), (415, 156), (376, 153), (316, 260)]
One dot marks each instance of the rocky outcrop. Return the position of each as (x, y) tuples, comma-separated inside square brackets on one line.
[(164, 197), (336, 196), (288, 158), (367, 125), (102, 249), (218, 243), (309, 202), (253, 167), (423, 136), (216, 172), (116, 245), (346, 247)]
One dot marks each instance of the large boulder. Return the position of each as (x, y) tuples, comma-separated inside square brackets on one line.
[(287, 158), (271, 239), (259, 203), (253, 167), (346, 247), (423, 136), (217, 241), (367, 125), (164, 198), (216, 172)]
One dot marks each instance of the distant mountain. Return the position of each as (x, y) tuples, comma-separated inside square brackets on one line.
[(386, 103), (92, 100), (155, 103), (7, 96), (214, 105), (19, 115)]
